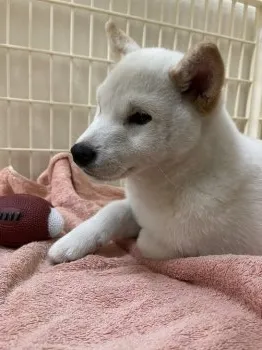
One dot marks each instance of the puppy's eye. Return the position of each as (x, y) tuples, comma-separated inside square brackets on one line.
[(139, 118)]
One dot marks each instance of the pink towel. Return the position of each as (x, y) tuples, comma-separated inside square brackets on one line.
[(115, 299)]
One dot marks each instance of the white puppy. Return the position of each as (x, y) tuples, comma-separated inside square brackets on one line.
[(194, 182)]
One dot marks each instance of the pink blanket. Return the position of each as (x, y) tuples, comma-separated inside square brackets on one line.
[(115, 299)]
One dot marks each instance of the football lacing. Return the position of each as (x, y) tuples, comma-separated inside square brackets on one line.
[(10, 216)]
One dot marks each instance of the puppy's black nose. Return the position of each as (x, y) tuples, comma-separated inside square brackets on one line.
[(83, 154)]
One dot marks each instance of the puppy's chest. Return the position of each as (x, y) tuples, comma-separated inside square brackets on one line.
[(158, 209), (177, 214)]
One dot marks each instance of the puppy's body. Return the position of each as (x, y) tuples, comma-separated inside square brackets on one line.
[(208, 204), (194, 183)]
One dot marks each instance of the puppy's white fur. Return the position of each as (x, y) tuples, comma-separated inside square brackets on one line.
[(193, 180)]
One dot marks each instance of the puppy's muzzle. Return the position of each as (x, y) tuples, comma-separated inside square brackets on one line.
[(83, 154)]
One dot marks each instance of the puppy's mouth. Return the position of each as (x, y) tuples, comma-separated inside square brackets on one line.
[(108, 177)]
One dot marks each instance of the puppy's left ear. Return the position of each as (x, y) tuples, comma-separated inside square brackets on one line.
[(120, 42), (200, 76)]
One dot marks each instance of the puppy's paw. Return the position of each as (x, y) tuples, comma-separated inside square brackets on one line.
[(73, 246), (151, 248)]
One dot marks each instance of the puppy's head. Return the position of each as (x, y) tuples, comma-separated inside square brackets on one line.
[(150, 108)]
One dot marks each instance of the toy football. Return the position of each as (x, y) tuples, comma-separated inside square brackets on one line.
[(25, 218)]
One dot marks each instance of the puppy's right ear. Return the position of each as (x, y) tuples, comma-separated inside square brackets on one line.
[(120, 43)]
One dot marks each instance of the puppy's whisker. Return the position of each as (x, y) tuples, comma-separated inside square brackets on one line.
[(165, 175), (162, 171)]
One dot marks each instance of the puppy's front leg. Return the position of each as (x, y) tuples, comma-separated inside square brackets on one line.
[(113, 221)]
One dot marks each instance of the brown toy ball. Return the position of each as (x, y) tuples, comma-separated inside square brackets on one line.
[(25, 218)]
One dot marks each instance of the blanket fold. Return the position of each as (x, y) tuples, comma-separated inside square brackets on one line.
[(115, 299)]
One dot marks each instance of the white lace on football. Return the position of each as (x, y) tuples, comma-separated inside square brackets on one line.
[(55, 223)]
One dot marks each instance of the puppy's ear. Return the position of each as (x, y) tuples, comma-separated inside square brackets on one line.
[(200, 76), (120, 42)]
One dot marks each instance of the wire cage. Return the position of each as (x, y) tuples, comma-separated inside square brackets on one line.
[(54, 54)]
